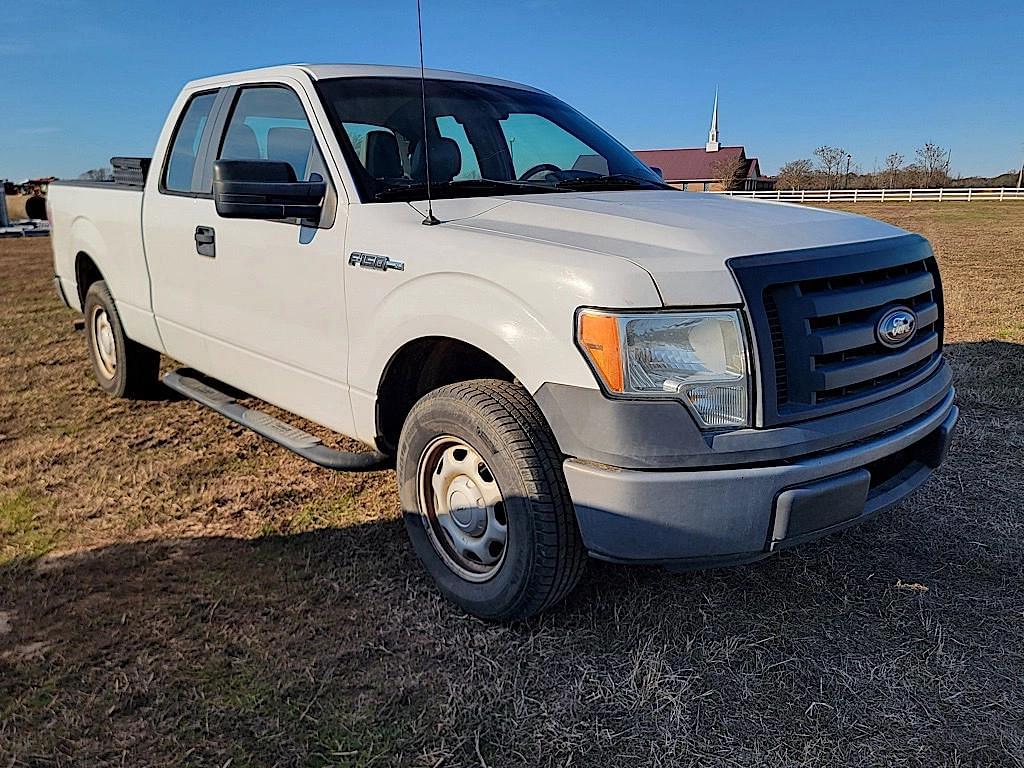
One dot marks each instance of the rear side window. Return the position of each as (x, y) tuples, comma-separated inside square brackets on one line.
[(269, 123), (182, 161)]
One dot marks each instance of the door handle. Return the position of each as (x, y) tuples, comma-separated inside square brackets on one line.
[(206, 244)]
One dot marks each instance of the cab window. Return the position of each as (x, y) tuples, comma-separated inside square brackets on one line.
[(181, 162), (269, 123)]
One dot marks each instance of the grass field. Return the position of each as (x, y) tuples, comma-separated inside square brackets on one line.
[(174, 591)]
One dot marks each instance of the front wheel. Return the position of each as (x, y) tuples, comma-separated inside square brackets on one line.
[(485, 501)]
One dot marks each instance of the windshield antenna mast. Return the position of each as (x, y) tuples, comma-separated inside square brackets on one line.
[(429, 219)]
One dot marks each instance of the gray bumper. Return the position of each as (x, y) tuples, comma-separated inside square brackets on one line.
[(723, 515)]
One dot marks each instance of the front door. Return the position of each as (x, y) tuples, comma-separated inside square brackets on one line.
[(273, 292)]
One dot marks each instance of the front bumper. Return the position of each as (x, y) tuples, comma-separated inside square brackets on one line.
[(727, 515)]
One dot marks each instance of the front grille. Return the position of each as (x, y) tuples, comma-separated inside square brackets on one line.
[(815, 315)]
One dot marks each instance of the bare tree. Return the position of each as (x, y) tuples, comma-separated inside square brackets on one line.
[(796, 174), (893, 165), (830, 160), (933, 164), (98, 174), (729, 171)]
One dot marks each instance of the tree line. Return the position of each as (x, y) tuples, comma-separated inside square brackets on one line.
[(834, 168)]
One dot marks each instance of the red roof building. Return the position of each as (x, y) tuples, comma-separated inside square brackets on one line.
[(702, 169)]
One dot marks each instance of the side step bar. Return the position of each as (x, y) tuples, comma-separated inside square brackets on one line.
[(195, 386)]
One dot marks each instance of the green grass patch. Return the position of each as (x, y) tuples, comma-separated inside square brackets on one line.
[(334, 511), (26, 529), (1012, 332), (235, 686)]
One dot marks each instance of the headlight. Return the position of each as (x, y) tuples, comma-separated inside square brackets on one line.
[(699, 357)]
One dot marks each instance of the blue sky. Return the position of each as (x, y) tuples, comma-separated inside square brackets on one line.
[(84, 80)]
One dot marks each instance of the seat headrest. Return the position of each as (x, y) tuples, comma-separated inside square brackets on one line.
[(445, 161), (291, 145), (591, 163), (383, 160), (240, 143)]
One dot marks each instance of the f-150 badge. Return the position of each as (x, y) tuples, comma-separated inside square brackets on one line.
[(373, 261)]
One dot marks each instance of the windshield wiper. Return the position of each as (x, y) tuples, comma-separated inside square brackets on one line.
[(611, 181), (411, 191)]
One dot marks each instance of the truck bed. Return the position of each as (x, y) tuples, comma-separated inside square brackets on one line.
[(100, 222)]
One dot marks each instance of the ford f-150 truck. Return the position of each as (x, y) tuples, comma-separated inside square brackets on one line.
[(560, 354)]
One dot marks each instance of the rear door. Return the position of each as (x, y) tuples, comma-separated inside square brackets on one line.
[(170, 213), (273, 293)]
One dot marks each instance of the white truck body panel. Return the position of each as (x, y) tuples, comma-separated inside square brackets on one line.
[(306, 72), (269, 309), (682, 240), (107, 225), (512, 296)]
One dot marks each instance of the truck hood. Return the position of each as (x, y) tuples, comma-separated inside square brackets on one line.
[(682, 239)]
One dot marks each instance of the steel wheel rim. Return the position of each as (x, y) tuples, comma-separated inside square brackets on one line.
[(103, 344), (462, 509)]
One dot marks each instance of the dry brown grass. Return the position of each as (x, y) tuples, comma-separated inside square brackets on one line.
[(173, 591)]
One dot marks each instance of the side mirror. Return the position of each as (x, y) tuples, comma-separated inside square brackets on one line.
[(658, 171), (264, 189)]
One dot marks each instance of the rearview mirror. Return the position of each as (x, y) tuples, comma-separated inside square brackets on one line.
[(264, 189)]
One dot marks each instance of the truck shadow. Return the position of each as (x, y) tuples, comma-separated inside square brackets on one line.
[(279, 648)]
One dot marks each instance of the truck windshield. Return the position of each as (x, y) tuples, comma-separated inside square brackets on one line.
[(481, 139)]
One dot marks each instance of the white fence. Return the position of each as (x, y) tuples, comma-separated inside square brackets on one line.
[(951, 194)]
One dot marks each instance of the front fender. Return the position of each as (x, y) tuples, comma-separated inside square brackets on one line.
[(511, 297), (477, 311)]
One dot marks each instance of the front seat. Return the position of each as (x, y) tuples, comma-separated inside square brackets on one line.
[(445, 161), (383, 160), (240, 143), (291, 145)]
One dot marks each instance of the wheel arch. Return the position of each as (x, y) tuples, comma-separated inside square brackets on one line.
[(421, 365), (91, 254), (525, 332), (87, 272)]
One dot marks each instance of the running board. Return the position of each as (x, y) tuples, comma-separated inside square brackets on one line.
[(195, 386)]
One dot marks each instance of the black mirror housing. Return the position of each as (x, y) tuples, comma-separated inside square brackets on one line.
[(264, 189)]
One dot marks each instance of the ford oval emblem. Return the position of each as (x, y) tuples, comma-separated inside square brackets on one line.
[(896, 327)]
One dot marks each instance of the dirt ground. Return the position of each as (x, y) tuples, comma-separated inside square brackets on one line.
[(175, 591)]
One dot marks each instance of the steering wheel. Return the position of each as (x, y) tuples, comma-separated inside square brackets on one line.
[(531, 172)]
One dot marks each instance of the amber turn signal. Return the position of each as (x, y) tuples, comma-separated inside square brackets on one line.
[(599, 337)]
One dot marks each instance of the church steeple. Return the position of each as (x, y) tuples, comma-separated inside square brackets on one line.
[(713, 145)]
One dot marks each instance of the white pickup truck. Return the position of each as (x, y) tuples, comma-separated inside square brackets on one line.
[(560, 354)]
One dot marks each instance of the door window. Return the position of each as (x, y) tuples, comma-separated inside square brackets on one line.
[(269, 123), (181, 163)]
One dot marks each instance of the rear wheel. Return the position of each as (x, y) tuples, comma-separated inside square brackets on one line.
[(485, 501), (122, 367)]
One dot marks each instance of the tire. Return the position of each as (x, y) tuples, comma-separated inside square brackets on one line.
[(35, 208), (122, 367), (527, 522)]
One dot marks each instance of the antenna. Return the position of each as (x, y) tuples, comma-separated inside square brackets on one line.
[(428, 220)]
